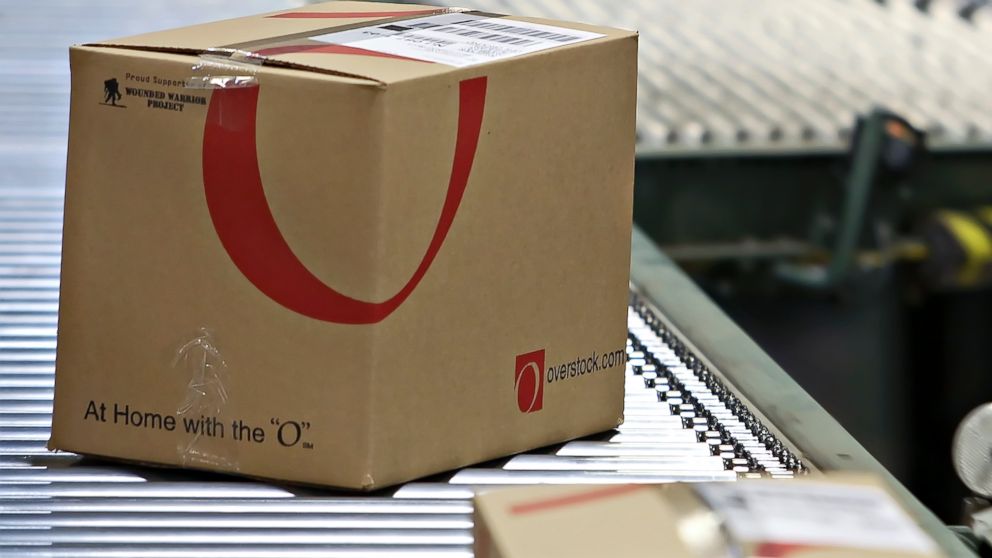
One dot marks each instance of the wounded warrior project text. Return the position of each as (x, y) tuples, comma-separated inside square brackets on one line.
[(163, 100), (586, 365)]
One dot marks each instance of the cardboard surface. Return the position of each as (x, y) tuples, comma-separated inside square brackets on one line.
[(576, 521), (339, 280), (288, 38), (838, 516)]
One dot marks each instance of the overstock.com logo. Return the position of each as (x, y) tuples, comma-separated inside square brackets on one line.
[(527, 381)]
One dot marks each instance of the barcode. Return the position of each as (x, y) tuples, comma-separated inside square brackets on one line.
[(536, 33), (483, 35)]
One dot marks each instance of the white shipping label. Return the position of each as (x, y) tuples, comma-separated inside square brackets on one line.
[(808, 513), (458, 39)]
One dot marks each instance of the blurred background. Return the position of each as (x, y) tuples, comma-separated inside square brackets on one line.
[(823, 168)]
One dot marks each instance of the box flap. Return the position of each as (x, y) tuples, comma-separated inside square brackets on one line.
[(273, 25), (377, 41)]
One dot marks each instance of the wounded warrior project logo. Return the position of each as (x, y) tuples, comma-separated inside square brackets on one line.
[(529, 374), (157, 96), (112, 93)]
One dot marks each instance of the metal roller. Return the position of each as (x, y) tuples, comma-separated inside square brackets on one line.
[(718, 74)]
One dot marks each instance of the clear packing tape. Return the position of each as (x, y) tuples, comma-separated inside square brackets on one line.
[(225, 68), (199, 358), (204, 404)]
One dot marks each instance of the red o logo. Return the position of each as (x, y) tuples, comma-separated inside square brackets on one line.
[(527, 381), (248, 230)]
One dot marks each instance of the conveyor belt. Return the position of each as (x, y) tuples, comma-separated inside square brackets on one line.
[(683, 424), (56, 504), (788, 74), (685, 419)]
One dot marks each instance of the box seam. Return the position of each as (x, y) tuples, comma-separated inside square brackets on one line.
[(381, 111), (270, 62)]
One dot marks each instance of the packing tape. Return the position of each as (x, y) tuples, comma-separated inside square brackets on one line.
[(202, 410), (203, 407), (220, 68)]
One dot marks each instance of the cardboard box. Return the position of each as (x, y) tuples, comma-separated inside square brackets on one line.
[(354, 244), (815, 517)]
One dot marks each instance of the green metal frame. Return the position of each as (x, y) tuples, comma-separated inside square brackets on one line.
[(800, 420)]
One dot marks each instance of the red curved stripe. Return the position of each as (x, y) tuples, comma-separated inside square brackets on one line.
[(576, 498), (777, 550), (249, 233), (331, 49), (353, 15)]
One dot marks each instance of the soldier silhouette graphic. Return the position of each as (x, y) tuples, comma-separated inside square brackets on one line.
[(112, 92)]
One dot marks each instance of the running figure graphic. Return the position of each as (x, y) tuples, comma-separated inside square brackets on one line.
[(112, 91)]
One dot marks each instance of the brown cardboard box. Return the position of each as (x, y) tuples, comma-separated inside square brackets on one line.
[(392, 240), (817, 517)]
